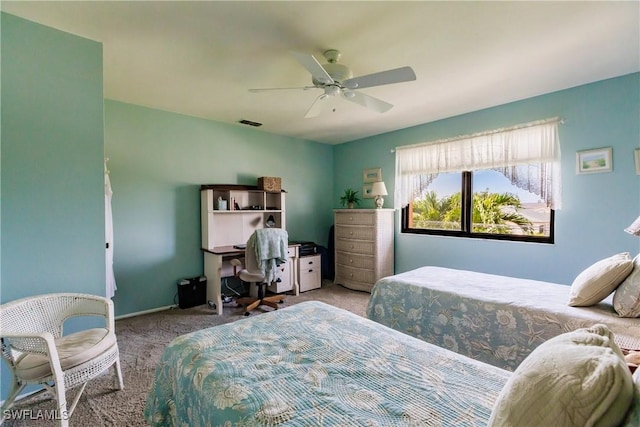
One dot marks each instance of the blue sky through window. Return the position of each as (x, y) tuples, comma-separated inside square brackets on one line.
[(449, 183)]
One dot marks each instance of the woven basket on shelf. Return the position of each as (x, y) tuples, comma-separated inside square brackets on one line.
[(270, 183)]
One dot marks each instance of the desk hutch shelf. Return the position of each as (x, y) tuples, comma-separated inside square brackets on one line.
[(233, 226)]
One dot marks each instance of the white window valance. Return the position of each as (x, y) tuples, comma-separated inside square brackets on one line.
[(527, 154)]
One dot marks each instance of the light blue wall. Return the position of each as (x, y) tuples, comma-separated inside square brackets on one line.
[(51, 169), (596, 208), (157, 162), (52, 155)]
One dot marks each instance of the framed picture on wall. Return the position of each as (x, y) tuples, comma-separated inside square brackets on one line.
[(366, 191), (372, 175), (636, 156), (594, 161)]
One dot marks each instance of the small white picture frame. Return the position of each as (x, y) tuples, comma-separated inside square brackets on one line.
[(636, 156), (372, 175), (594, 161), (366, 191)]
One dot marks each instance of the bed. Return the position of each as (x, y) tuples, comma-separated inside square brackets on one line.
[(312, 364), (495, 319)]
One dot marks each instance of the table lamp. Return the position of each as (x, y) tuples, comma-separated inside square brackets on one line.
[(378, 190), (634, 228)]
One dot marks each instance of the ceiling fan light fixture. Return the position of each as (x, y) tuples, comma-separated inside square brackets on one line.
[(332, 90)]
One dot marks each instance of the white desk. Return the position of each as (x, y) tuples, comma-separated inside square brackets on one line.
[(214, 258)]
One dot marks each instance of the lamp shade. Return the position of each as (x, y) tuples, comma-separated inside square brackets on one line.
[(378, 189), (634, 228)]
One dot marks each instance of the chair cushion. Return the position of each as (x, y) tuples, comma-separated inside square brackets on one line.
[(247, 276), (73, 350)]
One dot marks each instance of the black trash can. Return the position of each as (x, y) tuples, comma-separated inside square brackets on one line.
[(192, 291)]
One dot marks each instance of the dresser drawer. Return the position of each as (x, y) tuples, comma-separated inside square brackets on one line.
[(354, 218), (361, 247), (355, 260), (347, 274), (360, 233)]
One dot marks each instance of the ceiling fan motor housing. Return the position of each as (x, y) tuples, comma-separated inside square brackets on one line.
[(338, 73)]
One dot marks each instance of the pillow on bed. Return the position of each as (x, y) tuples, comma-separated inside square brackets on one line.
[(578, 378), (600, 279), (626, 300)]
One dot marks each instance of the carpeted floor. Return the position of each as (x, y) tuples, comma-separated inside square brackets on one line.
[(141, 340)]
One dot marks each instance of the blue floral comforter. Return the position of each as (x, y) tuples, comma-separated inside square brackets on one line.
[(316, 365), (496, 319)]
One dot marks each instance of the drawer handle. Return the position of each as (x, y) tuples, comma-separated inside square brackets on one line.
[(310, 262), (310, 271), (350, 274), (351, 232), (350, 218), (351, 246), (351, 261)]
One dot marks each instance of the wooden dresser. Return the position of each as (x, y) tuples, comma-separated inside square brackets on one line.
[(363, 246)]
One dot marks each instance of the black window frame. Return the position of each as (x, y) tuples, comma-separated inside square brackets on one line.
[(466, 217)]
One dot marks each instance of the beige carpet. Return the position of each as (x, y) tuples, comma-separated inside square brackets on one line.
[(142, 340)]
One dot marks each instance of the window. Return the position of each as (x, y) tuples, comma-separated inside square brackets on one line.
[(502, 184)]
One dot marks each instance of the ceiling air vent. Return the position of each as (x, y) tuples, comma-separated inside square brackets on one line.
[(250, 123)]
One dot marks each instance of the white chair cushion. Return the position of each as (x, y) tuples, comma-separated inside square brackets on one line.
[(247, 276), (73, 350), (600, 279), (576, 379)]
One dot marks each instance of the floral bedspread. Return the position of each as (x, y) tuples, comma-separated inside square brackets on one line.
[(312, 364), (495, 319)]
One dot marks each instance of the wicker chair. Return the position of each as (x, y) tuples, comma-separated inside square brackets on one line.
[(37, 353)]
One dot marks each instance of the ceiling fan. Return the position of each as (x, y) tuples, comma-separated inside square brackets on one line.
[(336, 80)]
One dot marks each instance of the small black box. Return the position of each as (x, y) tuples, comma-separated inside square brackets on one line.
[(192, 292)]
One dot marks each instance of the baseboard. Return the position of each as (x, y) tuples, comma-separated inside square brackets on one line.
[(140, 313), (21, 396)]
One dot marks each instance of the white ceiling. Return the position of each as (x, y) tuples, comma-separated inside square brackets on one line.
[(200, 58)]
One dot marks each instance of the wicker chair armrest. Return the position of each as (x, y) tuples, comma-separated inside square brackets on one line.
[(48, 344), (46, 336)]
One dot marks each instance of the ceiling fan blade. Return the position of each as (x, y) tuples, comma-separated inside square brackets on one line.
[(397, 75), (322, 104), (367, 101), (281, 88), (313, 66)]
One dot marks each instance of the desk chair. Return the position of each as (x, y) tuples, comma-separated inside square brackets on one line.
[(266, 250)]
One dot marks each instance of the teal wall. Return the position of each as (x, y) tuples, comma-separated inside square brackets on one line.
[(596, 208), (52, 157), (157, 162), (52, 213)]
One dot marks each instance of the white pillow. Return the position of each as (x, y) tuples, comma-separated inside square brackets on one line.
[(577, 379), (600, 279), (626, 300)]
